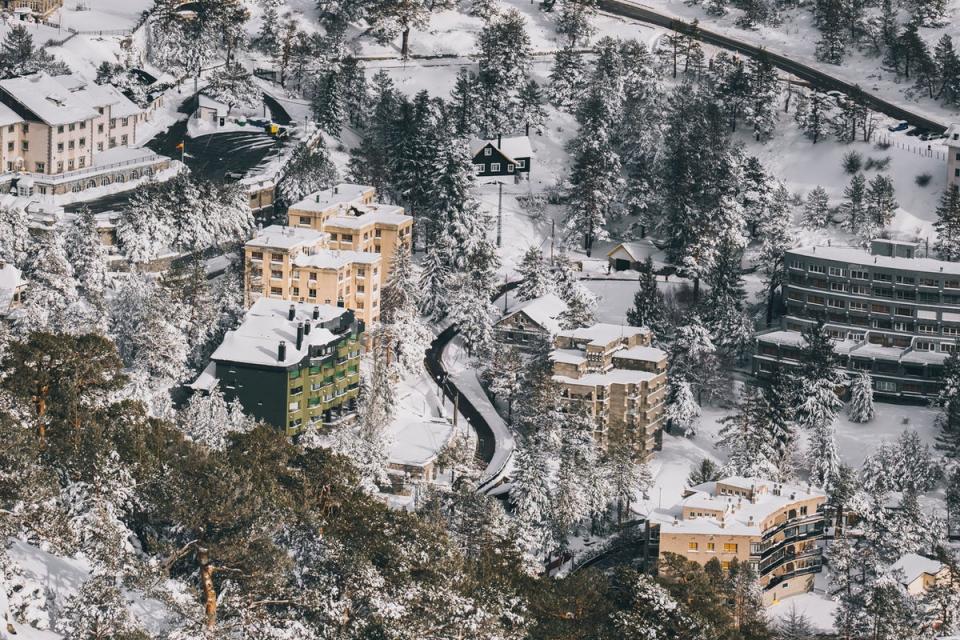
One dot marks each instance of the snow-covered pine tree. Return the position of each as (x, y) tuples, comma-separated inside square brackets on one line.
[(818, 410), (948, 69), (947, 244), (704, 471), (764, 86), (566, 77), (98, 610), (649, 309), (861, 398), (309, 169), (683, 411), (853, 208), (88, 257), (404, 334), (881, 201), (208, 419), (579, 467), (531, 496), (326, 103), (53, 287), (505, 377), (535, 278), (693, 359), (473, 313), (356, 98), (773, 231), (579, 311), (816, 209), (629, 476), (233, 85), (503, 60), (595, 180), (530, 106), (817, 117), (434, 283), (14, 235), (462, 105), (574, 20), (723, 309)]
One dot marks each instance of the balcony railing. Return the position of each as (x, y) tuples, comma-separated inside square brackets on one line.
[(786, 576)]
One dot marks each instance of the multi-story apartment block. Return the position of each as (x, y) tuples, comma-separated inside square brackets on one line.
[(891, 313), (62, 121), (291, 364), (292, 263), (354, 222), (775, 528), (613, 374)]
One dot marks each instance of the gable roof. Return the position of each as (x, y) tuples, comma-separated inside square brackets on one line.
[(638, 251), (914, 565), (65, 99), (513, 148), (544, 311)]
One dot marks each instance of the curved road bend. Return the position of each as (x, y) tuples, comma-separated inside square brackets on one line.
[(486, 438), (815, 77)]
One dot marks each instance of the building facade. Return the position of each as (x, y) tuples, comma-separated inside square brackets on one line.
[(291, 364), (952, 142), (531, 323), (890, 313), (354, 222), (295, 264), (611, 373), (503, 157), (775, 528)]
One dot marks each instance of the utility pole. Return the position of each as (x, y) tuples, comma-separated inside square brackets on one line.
[(499, 214), (553, 232), (456, 409), (506, 294)]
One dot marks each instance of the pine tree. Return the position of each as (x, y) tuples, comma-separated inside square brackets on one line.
[(861, 399), (535, 280), (649, 309), (743, 435), (434, 283), (705, 471), (816, 210), (723, 309), (505, 377), (14, 235), (402, 333), (628, 475), (948, 70), (819, 379), (232, 85), (88, 257), (463, 103), (308, 170), (53, 287), (356, 98), (775, 239), (574, 20), (327, 103), (595, 179), (97, 611), (762, 113), (947, 244), (530, 104), (693, 359), (817, 117), (853, 208), (531, 497), (881, 203), (683, 410), (566, 77)]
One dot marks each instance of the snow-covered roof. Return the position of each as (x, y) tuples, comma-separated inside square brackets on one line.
[(644, 354), (257, 339), (914, 565), (419, 443), (854, 255), (124, 154), (612, 376), (544, 311), (568, 356), (279, 237), (333, 259), (638, 251), (207, 379), (868, 350), (513, 147), (915, 356), (953, 135), (8, 116), (787, 338), (358, 216), (602, 334), (10, 280), (344, 193), (65, 99), (206, 102), (742, 515)]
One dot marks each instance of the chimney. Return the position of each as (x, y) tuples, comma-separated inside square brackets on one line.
[(299, 335), (306, 328), (318, 197), (499, 140), (282, 351), (292, 313), (316, 312)]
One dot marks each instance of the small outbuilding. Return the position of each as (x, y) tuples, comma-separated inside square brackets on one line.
[(502, 157)]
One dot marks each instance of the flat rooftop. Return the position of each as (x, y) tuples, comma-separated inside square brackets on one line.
[(334, 259), (344, 193), (854, 255), (602, 334), (279, 237), (361, 215)]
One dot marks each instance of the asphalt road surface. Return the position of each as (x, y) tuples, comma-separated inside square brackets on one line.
[(815, 77)]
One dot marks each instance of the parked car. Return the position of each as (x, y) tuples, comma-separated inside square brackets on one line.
[(916, 131), (234, 175), (930, 135), (900, 126)]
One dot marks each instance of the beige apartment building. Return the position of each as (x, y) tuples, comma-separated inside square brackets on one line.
[(354, 222), (41, 9), (775, 528), (296, 264), (57, 124), (613, 374)]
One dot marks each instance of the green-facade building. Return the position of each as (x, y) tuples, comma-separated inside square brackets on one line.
[(292, 364)]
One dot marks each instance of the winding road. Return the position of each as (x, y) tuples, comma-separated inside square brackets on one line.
[(493, 450), (816, 77)]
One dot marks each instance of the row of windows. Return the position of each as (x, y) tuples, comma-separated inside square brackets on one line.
[(861, 274), (728, 547)]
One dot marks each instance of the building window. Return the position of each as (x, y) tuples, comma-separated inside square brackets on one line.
[(521, 164), (71, 144), (509, 168), (70, 165), (495, 166), (859, 275), (26, 127), (837, 271), (123, 139), (927, 328), (83, 142), (99, 128), (886, 385), (692, 546), (113, 123), (83, 124), (729, 547), (304, 222), (99, 146), (123, 121), (41, 167), (711, 547), (276, 291), (296, 390), (83, 161), (817, 268), (488, 151), (73, 126), (26, 145), (60, 129), (276, 275), (60, 147), (113, 142)]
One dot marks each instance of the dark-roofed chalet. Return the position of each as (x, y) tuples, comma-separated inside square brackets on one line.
[(502, 157)]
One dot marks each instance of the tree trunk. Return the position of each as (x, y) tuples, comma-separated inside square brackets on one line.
[(696, 289), (206, 583), (405, 43), (40, 408)]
